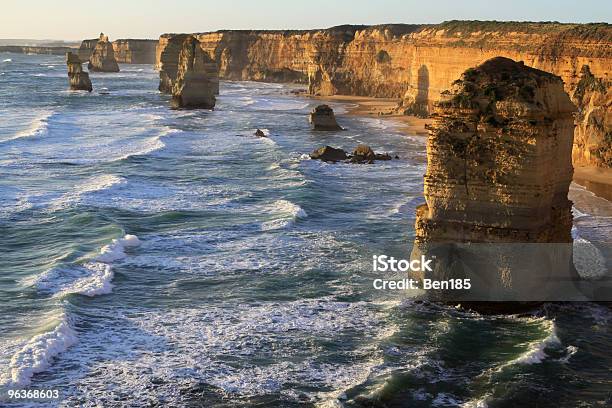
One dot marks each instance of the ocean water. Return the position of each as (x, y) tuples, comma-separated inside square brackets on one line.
[(154, 257)]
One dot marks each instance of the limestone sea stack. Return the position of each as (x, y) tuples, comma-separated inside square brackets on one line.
[(196, 80), (498, 172), (79, 80), (102, 58), (593, 134), (322, 118)]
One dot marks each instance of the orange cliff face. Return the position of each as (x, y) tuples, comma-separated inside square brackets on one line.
[(413, 63)]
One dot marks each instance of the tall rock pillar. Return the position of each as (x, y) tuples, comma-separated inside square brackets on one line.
[(79, 79), (197, 80), (102, 58), (498, 172)]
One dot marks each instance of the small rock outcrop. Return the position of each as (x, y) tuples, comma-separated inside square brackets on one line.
[(329, 154), (102, 58), (322, 118), (196, 79), (79, 79), (362, 154), (498, 172), (593, 134), (260, 133)]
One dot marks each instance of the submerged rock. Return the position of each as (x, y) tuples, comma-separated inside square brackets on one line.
[(322, 118), (197, 81), (102, 58), (329, 154), (498, 172), (79, 79)]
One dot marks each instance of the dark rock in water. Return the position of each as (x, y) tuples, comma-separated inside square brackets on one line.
[(79, 79), (322, 118), (260, 133), (329, 153), (363, 154), (383, 156)]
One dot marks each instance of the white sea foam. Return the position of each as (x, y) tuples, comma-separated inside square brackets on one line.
[(38, 127), (82, 189), (150, 145), (8, 60), (198, 335), (99, 281), (588, 259), (577, 213), (37, 354), (289, 213), (116, 250)]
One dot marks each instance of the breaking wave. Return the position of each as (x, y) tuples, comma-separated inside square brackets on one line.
[(38, 354), (90, 279)]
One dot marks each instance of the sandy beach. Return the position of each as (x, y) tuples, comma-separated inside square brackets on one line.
[(383, 108)]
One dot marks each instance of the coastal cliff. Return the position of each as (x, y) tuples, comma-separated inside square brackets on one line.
[(498, 172), (413, 63), (19, 49), (127, 51), (132, 51)]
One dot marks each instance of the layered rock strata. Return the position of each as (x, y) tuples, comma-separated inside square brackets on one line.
[(196, 78), (79, 80), (322, 118), (413, 63), (102, 58), (498, 172), (134, 51)]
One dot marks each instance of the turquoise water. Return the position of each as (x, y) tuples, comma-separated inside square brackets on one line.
[(152, 257)]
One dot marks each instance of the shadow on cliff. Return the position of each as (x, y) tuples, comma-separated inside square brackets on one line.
[(422, 98)]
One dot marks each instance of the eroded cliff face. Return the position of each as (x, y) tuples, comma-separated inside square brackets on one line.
[(131, 51), (86, 48), (498, 172), (593, 134), (413, 63)]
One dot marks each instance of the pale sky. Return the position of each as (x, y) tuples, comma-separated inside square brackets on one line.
[(78, 19)]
